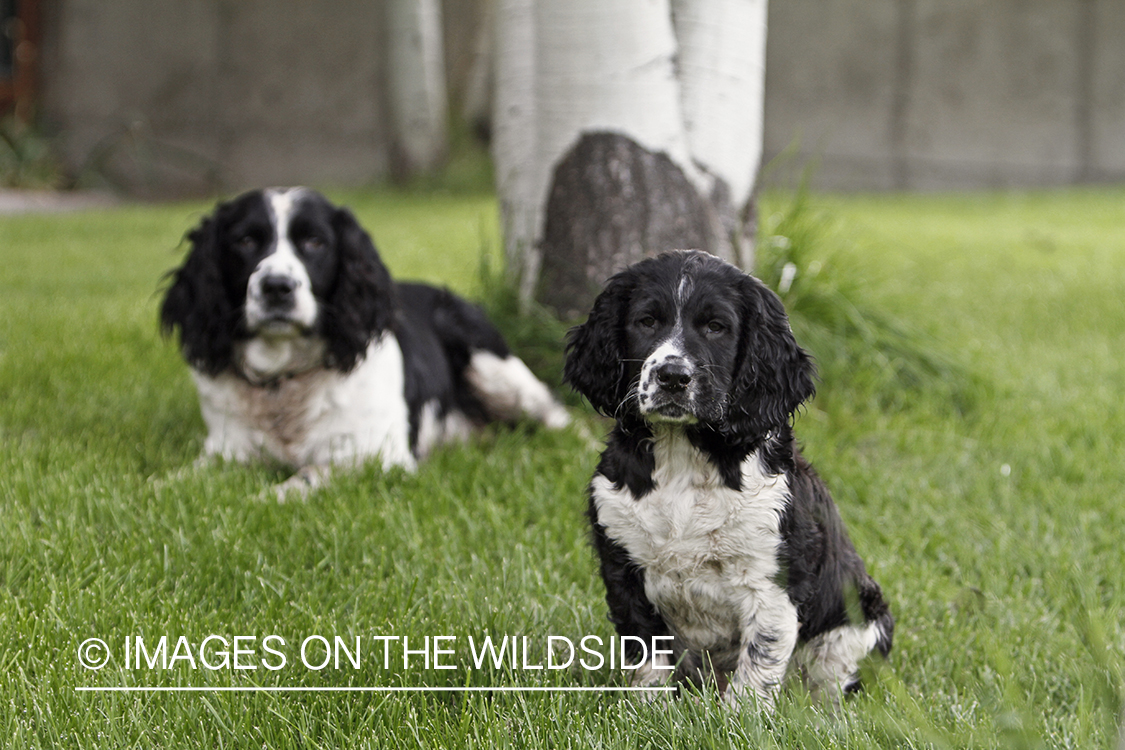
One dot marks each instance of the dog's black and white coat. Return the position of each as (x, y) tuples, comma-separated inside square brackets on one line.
[(709, 524), (304, 351)]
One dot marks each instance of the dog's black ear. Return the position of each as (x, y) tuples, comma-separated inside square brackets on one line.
[(198, 306), (361, 304), (773, 375), (595, 350)]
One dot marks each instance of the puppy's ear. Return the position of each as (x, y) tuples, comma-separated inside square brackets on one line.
[(595, 350), (362, 301), (774, 375), (197, 304)]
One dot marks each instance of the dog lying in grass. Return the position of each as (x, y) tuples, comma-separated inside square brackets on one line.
[(709, 524), (304, 351)]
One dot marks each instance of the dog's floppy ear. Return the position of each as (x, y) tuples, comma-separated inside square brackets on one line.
[(362, 301), (196, 303), (774, 375), (595, 350)]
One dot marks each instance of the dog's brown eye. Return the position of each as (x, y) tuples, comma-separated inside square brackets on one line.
[(715, 327), (246, 244), (647, 322), (313, 245)]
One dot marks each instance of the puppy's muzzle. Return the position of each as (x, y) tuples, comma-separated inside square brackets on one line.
[(674, 375)]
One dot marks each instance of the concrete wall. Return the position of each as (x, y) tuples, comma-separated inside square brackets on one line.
[(888, 94), (938, 94), (193, 95)]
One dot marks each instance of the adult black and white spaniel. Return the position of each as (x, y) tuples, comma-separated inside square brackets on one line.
[(709, 524), (304, 351)]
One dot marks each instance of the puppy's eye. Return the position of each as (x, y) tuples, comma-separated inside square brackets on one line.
[(313, 245), (715, 326), (647, 321)]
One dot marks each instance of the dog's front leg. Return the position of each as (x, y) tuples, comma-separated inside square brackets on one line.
[(767, 643)]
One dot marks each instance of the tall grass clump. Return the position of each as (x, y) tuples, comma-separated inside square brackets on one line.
[(835, 315)]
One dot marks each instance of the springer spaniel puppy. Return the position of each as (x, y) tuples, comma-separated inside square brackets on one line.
[(304, 351), (709, 524)]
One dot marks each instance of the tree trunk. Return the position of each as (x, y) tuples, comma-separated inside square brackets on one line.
[(623, 129), (722, 83), (416, 90)]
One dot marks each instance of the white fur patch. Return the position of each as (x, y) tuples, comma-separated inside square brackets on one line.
[(509, 390), (710, 558), (318, 417), (262, 359)]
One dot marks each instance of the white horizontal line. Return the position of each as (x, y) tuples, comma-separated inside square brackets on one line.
[(391, 689)]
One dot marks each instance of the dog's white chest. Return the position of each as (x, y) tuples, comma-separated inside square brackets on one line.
[(318, 417), (709, 553)]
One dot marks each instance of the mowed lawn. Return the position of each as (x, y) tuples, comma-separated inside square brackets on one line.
[(994, 524)]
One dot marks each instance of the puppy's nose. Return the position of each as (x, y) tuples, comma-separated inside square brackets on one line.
[(673, 375), (277, 290)]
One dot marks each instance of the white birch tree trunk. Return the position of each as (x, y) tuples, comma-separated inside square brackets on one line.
[(621, 129), (514, 138), (416, 91), (722, 84)]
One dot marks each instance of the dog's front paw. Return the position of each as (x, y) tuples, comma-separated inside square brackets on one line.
[(651, 680), (298, 486)]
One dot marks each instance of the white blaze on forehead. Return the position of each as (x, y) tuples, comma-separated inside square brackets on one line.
[(282, 202), (283, 260), (683, 291)]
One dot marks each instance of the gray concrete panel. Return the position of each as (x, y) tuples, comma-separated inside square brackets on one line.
[(203, 94), (1107, 92), (831, 69), (300, 92), (993, 94)]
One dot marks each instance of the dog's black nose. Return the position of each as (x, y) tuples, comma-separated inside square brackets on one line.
[(278, 290), (673, 375)]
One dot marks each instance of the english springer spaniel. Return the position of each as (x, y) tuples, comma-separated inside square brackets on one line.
[(304, 351), (709, 524)]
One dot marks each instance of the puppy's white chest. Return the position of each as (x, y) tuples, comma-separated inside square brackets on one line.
[(709, 553)]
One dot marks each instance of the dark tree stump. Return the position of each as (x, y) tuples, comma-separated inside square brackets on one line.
[(613, 202)]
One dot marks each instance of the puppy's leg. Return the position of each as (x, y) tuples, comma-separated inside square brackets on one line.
[(630, 610), (767, 644), (509, 391)]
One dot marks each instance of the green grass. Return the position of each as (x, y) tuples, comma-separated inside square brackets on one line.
[(994, 524)]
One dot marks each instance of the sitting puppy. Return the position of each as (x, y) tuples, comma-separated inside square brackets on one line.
[(709, 525), (305, 351)]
